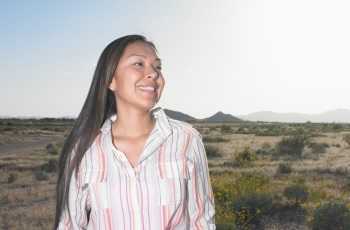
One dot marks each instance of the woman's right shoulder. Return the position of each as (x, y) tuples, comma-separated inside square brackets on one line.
[(91, 156)]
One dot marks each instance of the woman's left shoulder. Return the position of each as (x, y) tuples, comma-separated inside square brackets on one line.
[(183, 127)]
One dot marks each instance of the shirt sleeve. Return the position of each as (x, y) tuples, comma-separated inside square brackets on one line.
[(79, 205), (201, 200)]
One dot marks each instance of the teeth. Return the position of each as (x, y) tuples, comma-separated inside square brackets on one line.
[(148, 88)]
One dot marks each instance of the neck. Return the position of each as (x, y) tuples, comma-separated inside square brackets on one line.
[(133, 123)]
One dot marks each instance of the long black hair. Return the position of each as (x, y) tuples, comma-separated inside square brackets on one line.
[(98, 106)]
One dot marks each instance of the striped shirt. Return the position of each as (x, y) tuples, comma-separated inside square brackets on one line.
[(169, 188)]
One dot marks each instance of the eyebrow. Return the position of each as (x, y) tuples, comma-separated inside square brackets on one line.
[(140, 55)]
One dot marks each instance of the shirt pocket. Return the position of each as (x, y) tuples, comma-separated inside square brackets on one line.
[(173, 182)]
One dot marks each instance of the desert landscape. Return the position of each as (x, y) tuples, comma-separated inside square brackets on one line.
[(265, 175)]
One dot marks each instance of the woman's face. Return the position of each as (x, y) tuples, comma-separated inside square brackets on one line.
[(138, 80)]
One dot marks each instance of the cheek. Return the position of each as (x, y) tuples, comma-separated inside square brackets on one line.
[(161, 83), (126, 80)]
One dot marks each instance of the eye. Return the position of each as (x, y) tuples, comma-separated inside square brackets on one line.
[(138, 64), (159, 67)]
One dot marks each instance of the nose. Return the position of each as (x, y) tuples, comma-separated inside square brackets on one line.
[(153, 73)]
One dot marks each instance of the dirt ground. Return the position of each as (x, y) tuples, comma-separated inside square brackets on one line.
[(27, 202)]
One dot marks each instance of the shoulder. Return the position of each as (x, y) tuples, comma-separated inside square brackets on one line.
[(183, 128), (92, 153), (94, 161)]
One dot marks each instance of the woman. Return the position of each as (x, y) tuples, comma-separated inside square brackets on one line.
[(125, 164)]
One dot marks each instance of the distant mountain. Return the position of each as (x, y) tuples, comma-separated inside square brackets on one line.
[(179, 116), (221, 117), (338, 115), (218, 117)]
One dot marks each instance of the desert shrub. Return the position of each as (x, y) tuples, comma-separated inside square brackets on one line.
[(50, 166), (271, 131), (297, 193), (284, 168), (214, 139), (41, 175), (266, 145), (285, 213), (212, 151), (58, 129), (251, 182), (250, 208), (337, 127), (213, 128), (292, 146), (230, 186), (341, 171), (9, 129), (52, 149), (225, 226), (346, 185), (224, 193), (346, 138), (245, 157), (230, 164), (266, 149), (318, 147), (332, 215), (226, 129), (242, 130), (12, 178)]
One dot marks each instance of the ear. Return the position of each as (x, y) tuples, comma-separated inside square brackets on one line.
[(112, 85)]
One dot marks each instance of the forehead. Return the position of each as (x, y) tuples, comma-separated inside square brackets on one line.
[(140, 48)]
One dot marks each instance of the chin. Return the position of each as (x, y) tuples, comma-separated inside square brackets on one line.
[(147, 106)]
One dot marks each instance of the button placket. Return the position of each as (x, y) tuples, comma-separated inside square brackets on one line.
[(135, 189)]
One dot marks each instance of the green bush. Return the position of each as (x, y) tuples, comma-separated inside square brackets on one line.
[(225, 226), (50, 166), (337, 127), (12, 178), (332, 215), (251, 182), (271, 131), (284, 168), (214, 139), (292, 146), (212, 151), (41, 175), (297, 193), (245, 157), (242, 130), (226, 129), (266, 145), (285, 213), (266, 149), (318, 147), (52, 149), (250, 208), (224, 193)]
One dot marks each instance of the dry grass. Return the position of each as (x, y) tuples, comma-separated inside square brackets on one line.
[(26, 203), (29, 204)]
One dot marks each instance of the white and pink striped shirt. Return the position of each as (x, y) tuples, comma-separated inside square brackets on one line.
[(169, 188)]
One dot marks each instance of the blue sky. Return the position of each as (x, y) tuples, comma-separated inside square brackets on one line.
[(235, 56)]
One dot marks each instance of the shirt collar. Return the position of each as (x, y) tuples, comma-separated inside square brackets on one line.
[(162, 122)]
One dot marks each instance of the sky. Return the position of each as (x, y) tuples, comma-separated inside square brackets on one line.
[(235, 56)]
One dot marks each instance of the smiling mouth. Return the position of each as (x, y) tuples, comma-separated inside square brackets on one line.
[(148, 88)]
